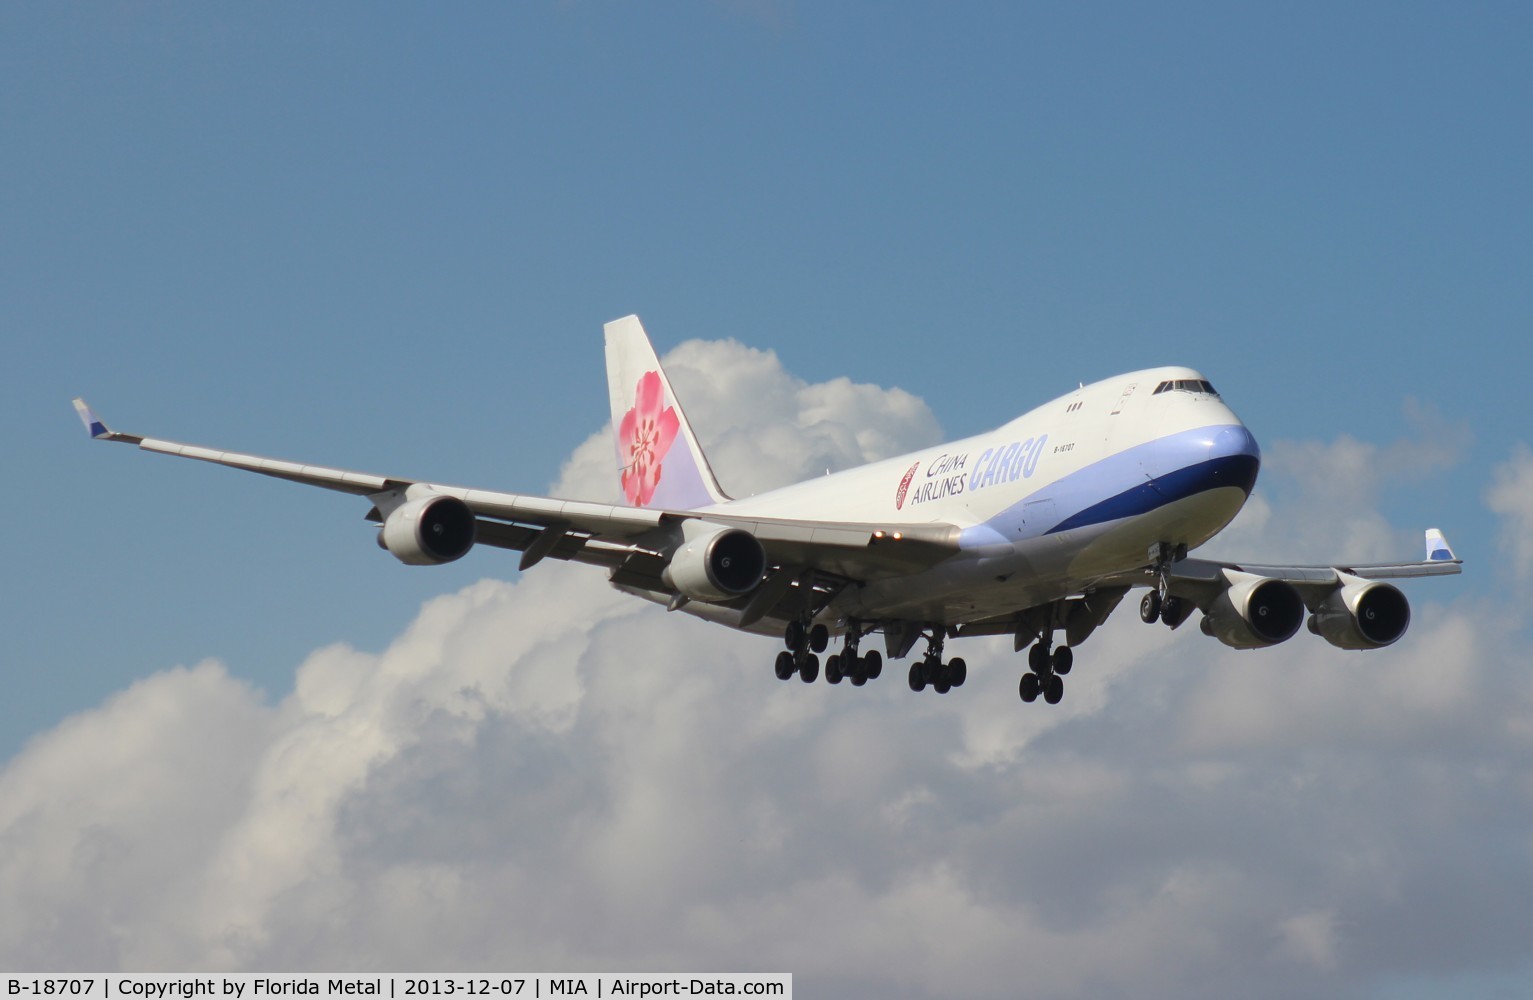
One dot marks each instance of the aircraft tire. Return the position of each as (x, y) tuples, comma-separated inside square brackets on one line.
[(1149, 608), (1053, 690), (833, 669), (1064, 659), (793, 635), (819, 638), (942, 686), (957, 671), (1030, 687), (785, 665), (1038, 659), (873, 663), (809, 670), (917, 677)]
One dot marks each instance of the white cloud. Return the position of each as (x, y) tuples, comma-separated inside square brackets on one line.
[(1511, 496), (545, 773)]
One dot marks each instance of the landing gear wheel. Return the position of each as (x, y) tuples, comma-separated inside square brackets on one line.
[(1038, 658), (1030, 688), (1149, 608), (917, 678), (784, 665), (1174, 611), (1064, 659), (942, 686), (819, 638), (859, 673), (793, 635), (957, 671), (809, 669), (1053, 690), (833, 669), (873, 663)]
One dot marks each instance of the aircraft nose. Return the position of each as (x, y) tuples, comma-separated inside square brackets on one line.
[(1234, 457)]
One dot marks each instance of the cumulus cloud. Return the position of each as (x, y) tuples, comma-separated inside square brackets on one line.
[(546, 773), (1511, 496)]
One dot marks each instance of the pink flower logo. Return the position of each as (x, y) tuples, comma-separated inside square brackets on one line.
[(644, 437)]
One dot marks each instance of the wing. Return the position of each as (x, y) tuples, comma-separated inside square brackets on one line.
[(1251, 605), (1244, 605), (1315, 581), (636, 544)]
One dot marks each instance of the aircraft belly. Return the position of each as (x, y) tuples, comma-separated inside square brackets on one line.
[(963, 589)]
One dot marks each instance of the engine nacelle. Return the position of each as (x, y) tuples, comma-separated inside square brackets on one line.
[(715, 563), (1362, 614), (1254, 612), (429, 531)]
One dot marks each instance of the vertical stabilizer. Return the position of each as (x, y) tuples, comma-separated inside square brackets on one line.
[(659, 461)]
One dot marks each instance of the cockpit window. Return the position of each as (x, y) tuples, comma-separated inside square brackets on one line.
[(1201, 386)]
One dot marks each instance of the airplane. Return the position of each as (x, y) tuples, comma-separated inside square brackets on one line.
[(1036, 528)]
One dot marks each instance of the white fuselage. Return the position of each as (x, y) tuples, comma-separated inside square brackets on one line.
[(1075, 490)]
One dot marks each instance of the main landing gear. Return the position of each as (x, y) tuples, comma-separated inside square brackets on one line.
[(805, 641), (1046, 668), (930, 669), (858, 668)]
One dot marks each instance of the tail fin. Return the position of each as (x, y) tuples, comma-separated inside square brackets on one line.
[(658, 457)]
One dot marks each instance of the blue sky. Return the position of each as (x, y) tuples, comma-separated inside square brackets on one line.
[(386, 237)]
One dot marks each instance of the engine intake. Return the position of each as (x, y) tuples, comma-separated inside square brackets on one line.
[(429, 531), (1254, 612), (716, 563), (1362, 614)]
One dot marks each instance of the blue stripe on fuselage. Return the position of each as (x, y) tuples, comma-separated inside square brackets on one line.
[(1234, 470), (1135, 481)]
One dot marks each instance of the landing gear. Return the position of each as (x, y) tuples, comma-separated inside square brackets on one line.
[(1046, 669), (1160, 605), (798, 658), (930, 669), (805, 641)]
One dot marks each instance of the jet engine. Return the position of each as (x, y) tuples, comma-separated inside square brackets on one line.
[(715, 563), (1253, 612), (428, 531), (1362, 614)]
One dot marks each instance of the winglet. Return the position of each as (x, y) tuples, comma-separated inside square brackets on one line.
[(98, 430), (1438, 549), (92, 422)]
